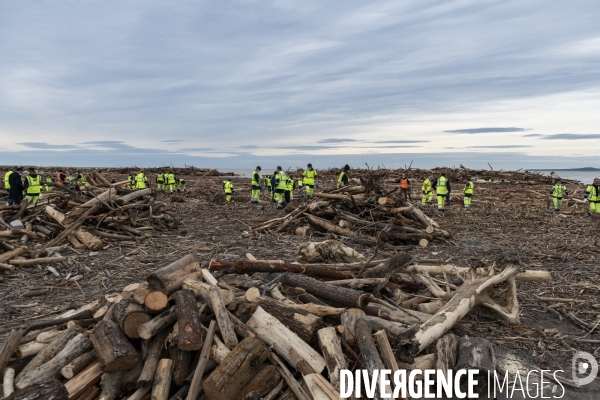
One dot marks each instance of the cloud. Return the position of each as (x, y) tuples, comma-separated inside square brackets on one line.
[(174, 141), (571, 136), (248, 146), (198, 149), (487, 130), (336, 140), (533, 135), (400, 141), (500, 146), (46, 146)]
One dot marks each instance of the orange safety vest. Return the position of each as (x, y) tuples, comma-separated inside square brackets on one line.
[(404, 183), (58, 181)]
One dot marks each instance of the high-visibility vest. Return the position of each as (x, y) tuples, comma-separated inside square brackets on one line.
[(403, 183), (340, 181), (48, 188), (469, 188), (6, 183), (58, 180), (81, 180), (35, 186), (558, 190), (228, 187), (267, 181), (309, 176), (282, 177), (426, 186), (592, 193), (140, 181), (300, 184), (255, 178), (441, 187), (171, 179), (160, 178), (290, 184)]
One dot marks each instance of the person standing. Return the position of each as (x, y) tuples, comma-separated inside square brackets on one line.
[(81, 181), (228, 189), (47, 187), (273, 186), (61, 178), (280, 188), (427, 197), (160, 181), (468, 190), (141, 182), (268, 186), (255, 197), (442, 191), (6, 182), (343, 179), (16, 187), (405, 188), (309, 178), (171, 181), (592, 195), (33, 186), (557, 192), (300, 187), (289, 189), (181, 185)]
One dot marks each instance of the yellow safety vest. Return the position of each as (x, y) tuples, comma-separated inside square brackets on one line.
[(140, 181), (441, 186), (469, 188), (171, 179), (593, 193), (426, 186), (340, 182), (282, 180), (35, 186), (6, 183), (160, 178), (82, 180), (558, 190), (309, 176), (228, 187), (255, 178), (267, 181)]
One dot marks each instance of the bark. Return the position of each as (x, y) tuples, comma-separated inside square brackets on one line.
[(250, 267), (130, 316), (349, 319), (446, 352), (236, 371), (115, 353), (91, 241), (78, 364), (55, 214), (328, 226), (286, 343), (84, 380), (182, 361), (476, 353), (201, 289), (155, 354), (191, 335), (49, 390), (222, 317), (158, 323), (368, 349), (162, 380), (195, 384), (111, 385), (8, 255), (169, 279), (397, 331), (331, 347), (264, 381)]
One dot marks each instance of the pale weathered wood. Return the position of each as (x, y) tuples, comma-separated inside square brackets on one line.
[(8, 382), (158, 323), (195, 384), (30, 349), (77, 346), (218, 351), (225, 325), (476, 353), (156, 302), (169, 278), (527, 276), (286, 343), (319, 388), (446, 352), (201, 289), (91, 241), (114, 351), (385, 351), (84, 380), (130, 316), (8, 255), (162, 380), (368, 350), (191, 335), (331, 347), (55, 214), (78, 364), (151, 363), (140, 394), (236, 371), (349, 318)]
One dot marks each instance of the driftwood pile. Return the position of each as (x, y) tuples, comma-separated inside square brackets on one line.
[(259, 330), (84, 216), (360, 215)]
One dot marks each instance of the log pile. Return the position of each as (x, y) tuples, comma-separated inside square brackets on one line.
[(260, 329)]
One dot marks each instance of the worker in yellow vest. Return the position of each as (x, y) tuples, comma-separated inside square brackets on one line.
[(181, 185), (6, 182), (289, 189), (160, 181), (557, 192), (300, 185), (442, 191), (343, 179), (268, 186), (48, 187), (81, 181), (427, 197), (171, 181), (256, 186), (141, 182), (33, 186), (280, 188), (228, 189), (592, 195), (309, 178), (468, 190)]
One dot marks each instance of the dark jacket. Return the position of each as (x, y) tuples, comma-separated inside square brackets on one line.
[(16, 187)]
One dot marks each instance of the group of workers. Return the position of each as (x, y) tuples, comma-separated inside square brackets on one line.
[(28, 183), (168, 182)]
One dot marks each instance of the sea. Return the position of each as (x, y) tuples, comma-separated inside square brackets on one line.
[(585, 177)]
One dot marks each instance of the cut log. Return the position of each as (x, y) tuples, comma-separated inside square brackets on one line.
[(97, 201), (111, 385), (191, 335), (162, 380), (408, 317), (397, 331), (84, 380), (431, 307), (328, 226), (250, 267), (236, 371), (368, 349), (218, 351), (130, 316), (140, 394), (8, 255), (30, 349), (47, 336), (386, 201), (349, 319), (75, 242), (169, 279), (151, 363), (527, 276), (424, 219), (320, 389), (48, 390), (156, 302), (8, 382), (79, 364), (134, 195), (476, 353), (264, 381), (385, 351), (115, 353), (302, 323), (200, 289), (286, 343), (158, 323), (195, 384), (77, 346), (129, 290), (55, 214), (331, 347), (446, 353), (91, 241), (225, 325)]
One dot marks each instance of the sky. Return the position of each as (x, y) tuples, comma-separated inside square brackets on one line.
[(231, 84)]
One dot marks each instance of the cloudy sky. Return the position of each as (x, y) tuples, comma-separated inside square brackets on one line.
[(234, 83)]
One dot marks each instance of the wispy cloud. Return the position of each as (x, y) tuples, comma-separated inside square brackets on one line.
[(533, 135), (46, 146), (400, 141), (500, 146), (174, 141), (571, 136), (486, 130), (338, 140)]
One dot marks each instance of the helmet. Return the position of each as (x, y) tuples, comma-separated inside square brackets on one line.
[(346, 167)]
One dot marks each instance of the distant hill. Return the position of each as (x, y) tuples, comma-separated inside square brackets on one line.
[(572, 169)]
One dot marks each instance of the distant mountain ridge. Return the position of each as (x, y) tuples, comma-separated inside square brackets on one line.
[(571, 169)]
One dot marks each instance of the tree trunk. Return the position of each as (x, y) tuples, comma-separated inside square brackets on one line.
[(130, 316), (328, 226), (169, 279), (49, 390), (476, 353), (386, 201), (8, 382), (250, 267), (195, 384), (30, 349), (96, 202), (286, 343), (331, 347), (182, 363), (115, 353), (162, 380), (158, 323), (348, 320), (368, 349), (201, 289), (155, 354), (191, 335), (78, 364), (385, 351), (111, 385), (236, 371), (225, 325), (264, 381), (91, 241), (55, 214), (446, 352)]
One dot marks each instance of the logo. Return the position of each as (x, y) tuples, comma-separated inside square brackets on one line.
[(588, 367)]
